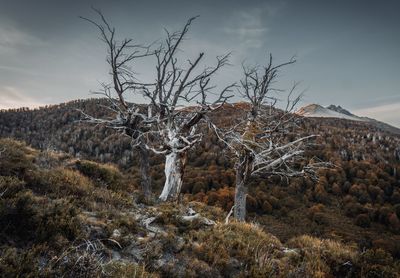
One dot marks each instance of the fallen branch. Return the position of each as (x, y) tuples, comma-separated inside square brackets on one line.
[(229, 215)]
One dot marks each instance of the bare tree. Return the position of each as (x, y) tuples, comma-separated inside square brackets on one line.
[(177, 86), (260, 142), (130, 118), (168, 126)]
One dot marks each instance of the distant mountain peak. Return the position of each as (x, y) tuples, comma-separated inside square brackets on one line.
[(336, 111), (339, 109), (332, 111)]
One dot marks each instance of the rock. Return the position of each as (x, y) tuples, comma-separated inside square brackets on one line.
[(146, 223), (203, 220), (115, 255), (191, 212), (116, 234), (179, 244), (290, 251), (135, 252)]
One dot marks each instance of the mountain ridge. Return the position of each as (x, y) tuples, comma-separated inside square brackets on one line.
[(336, 111)]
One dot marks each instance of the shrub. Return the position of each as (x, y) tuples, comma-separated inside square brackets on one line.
[(377, 263), (397, 210), (394, 222), (9, 186), (16, 263), (59, 219), (267, 207), (103, 174), (60, 183), (243, 242), (223, 197), (126, 270), (251, 204), (30, 218), (363, 220), (16, 158), (19, 216), (324, 257)]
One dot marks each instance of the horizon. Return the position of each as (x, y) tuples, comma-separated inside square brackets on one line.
[(346, 51)]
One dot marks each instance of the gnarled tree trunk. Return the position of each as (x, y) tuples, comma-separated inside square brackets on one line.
[(240, 196), (144, 162), (242, 171), (175, 163)]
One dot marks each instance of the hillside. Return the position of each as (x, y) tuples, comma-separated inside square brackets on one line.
[(75, 218), (357, 203)]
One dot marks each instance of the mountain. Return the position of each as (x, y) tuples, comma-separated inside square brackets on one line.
[(333, 111), (318, 111), (339, 109)]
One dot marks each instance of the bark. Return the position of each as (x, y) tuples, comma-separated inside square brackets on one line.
[(175, 163), (242, 172), (240, 196), (145, 171)]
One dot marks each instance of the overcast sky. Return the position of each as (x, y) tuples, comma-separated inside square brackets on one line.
[(347, 51)]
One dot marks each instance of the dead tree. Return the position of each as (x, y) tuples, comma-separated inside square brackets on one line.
[(130, 118), (260, 142), (180, 99)]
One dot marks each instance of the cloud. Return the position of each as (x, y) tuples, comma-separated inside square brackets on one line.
[(11, 38), (248, 26), (11, 97), (388, 113)]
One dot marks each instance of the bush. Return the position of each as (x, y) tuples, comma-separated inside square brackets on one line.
[(60, 219), (60, 183), (363, 220), (397, 210), (16, 159), (104, 175), (267, 207), (29, 218), (126, 270), (377, 263), (9, 186), (15, 263), (242, 242), (322, 258), (19, 216)]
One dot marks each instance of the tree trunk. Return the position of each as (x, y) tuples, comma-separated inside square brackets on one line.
[(240, 196), (174, 168), (145, 172), (242, 168)]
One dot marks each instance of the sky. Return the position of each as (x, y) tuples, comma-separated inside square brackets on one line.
[(347, 51)]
